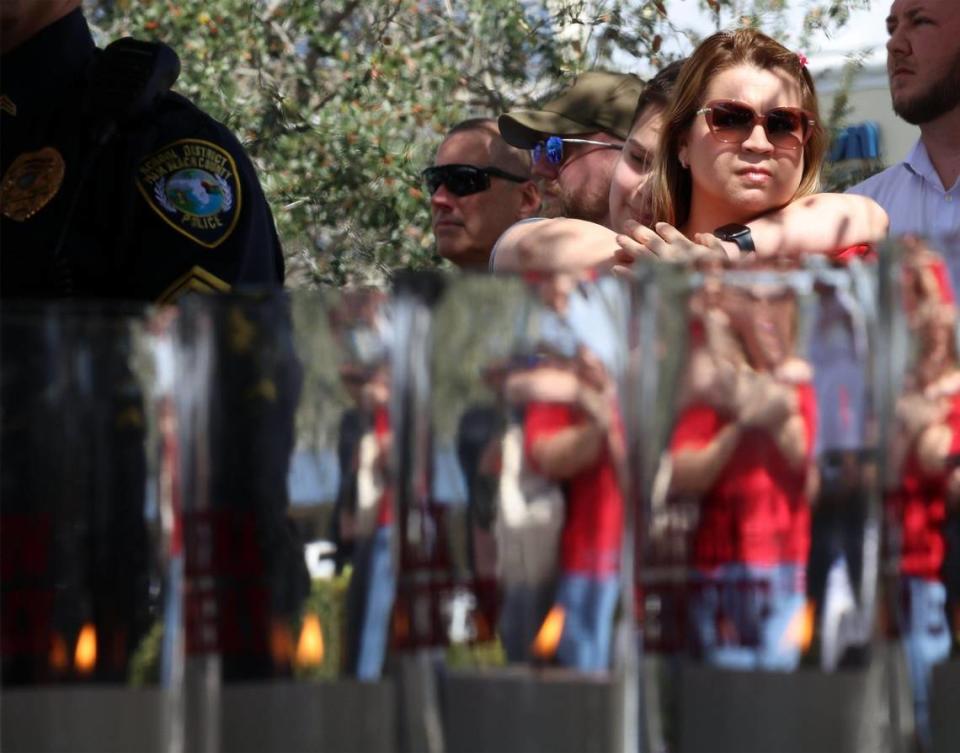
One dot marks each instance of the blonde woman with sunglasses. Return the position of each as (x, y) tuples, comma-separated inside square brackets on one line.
[(739, 160)]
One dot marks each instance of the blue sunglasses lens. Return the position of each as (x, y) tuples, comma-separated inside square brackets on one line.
[(552, 147), (555, 150)]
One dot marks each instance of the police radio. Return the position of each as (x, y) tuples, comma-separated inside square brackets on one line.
[(126, 81)]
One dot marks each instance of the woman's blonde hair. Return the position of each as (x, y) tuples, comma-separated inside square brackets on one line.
[(671, 184)]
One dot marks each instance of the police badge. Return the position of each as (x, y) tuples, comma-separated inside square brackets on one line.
[(194, 186), (30, 182)]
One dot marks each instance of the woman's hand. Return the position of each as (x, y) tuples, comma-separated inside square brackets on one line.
[(916, 412), (597, 393), (763, 402), (666, 243)]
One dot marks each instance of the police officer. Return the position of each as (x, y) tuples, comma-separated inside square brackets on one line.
[(113, 186)]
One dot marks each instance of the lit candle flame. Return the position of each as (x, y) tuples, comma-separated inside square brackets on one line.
[(281, 643), (799, 632), (400, 623), (548, 638), (310, 644), (59, 656), (85, 655)]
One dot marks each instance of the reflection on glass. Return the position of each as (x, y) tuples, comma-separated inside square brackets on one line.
[(87, 547), (925, 448), (364, 512), (285, 447), (742, 447), (758, 553), (573, 438), (531, 405), (844, 528), (82, 548), (245, 577)]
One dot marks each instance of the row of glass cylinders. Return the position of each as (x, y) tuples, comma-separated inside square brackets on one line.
[(663, 486)]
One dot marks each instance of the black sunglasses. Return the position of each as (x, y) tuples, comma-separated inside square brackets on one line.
[(463, 180)]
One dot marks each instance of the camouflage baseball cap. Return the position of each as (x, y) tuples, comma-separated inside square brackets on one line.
[(597, 101)]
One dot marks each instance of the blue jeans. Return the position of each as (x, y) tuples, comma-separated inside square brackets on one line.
[(926, 638), (588, 602), (173, 629), (741, 614), (370, 602)]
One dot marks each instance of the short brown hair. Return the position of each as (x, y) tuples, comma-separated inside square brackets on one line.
[(672, 186), (502, 155), (656, 93)]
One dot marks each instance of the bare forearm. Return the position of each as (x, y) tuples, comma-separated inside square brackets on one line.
[(933, 449), (555, 245), (543, 385), (695, 471), (569, 451), (819, 224)]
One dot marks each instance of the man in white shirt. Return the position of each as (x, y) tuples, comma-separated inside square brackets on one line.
[(922, 193)]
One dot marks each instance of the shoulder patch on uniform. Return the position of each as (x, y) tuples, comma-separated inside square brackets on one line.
[(197, 280), (195, 188)]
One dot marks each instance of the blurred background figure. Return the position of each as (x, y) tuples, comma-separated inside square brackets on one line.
[(742, 446), (364, 515), (573, 437), (480, 439), (837, 585), (926, 456), (530, 508)]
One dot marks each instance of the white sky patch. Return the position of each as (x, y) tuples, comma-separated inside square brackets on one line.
[(864, 32)]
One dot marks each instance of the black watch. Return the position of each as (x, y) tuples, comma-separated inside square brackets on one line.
[(739, 234)]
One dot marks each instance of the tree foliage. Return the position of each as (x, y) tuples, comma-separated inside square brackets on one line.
[(341, 103)]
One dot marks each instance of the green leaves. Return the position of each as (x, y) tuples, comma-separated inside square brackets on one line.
[(341, 103)]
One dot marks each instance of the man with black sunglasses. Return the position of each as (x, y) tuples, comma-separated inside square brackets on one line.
[(479, 185), (575, 140)]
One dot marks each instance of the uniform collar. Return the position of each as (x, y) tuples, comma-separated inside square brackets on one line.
[(42, 67)]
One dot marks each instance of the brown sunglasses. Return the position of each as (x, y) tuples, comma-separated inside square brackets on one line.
[(732, 122)]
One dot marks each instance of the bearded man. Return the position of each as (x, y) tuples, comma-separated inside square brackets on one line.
[(922, 193)]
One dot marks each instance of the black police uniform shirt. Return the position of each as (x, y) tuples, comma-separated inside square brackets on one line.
[(172, 204)]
